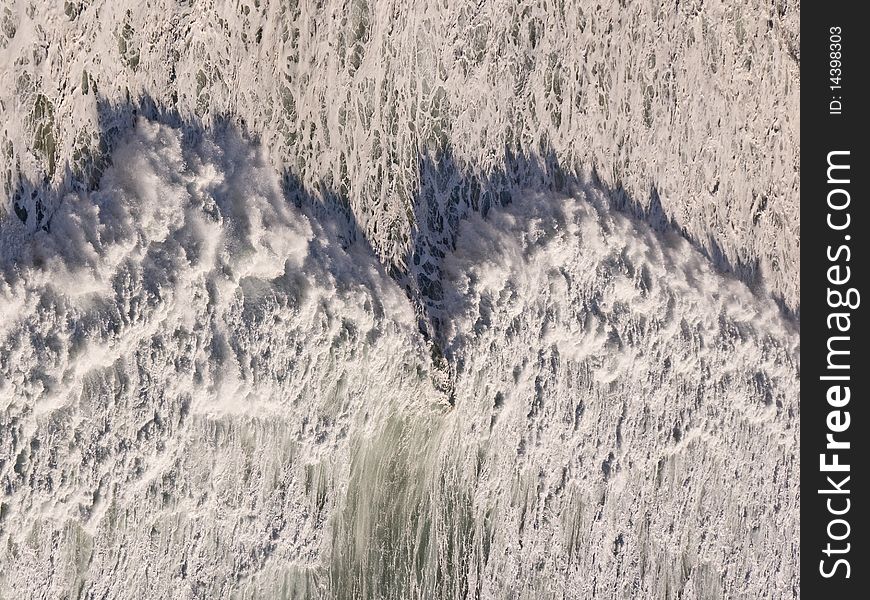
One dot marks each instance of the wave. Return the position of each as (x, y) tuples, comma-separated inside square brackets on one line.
[(210, 391)]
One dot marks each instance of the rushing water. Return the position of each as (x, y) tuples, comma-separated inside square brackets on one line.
[(407, 299), (210, 391)]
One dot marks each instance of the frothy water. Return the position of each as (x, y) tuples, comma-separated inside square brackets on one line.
[(207, 392)]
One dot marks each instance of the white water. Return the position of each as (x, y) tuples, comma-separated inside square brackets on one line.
[(207, 392), (696, 99), (213, 381)]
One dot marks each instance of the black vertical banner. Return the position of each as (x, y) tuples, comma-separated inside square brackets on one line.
[(835, 226)]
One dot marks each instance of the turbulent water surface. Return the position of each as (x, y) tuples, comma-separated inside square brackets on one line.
[(410, 300)]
